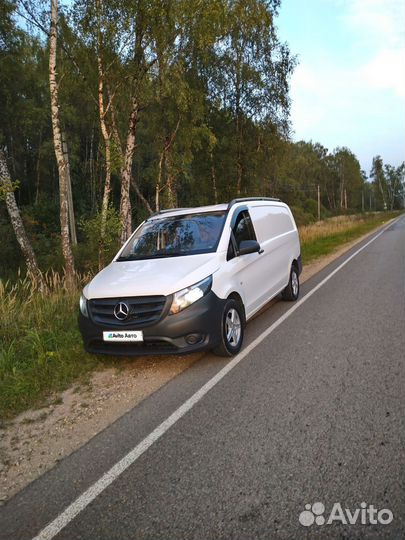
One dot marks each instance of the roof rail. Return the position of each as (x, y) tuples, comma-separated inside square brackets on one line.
[(245, 199), (165, 210)]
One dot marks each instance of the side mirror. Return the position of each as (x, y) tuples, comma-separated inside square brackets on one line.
[(249, 246)]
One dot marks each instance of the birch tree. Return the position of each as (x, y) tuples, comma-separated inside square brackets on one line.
[(378, 176), (57, 143), (106, 133), (7, 193), (394, 180)]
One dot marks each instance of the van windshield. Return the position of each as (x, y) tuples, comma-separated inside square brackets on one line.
[(175, 236)]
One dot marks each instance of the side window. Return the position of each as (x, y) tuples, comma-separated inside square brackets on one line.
[(243, 228)]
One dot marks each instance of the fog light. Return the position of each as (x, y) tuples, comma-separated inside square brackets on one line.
[(192, 339)]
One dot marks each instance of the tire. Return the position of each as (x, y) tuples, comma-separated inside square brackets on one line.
[(232, 329), (292, 291)]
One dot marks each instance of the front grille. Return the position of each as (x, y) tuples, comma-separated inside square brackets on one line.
[(143, 310)]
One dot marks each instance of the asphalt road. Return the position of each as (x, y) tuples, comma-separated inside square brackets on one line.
[(314, 413)]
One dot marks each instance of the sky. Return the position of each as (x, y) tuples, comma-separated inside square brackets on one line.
[(349, 86)]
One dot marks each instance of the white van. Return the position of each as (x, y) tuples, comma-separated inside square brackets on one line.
[(189, 278)]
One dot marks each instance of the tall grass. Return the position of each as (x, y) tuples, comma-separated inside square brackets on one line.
[(323, 237), (40, 344)]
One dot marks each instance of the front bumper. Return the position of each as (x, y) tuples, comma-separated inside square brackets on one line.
[(166, 336)]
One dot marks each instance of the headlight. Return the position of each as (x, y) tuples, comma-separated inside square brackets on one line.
[(188, 296), (83, 306)]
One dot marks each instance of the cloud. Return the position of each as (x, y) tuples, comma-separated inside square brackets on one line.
[(379, 26), (325, 95), (378, 21), (386, 71)]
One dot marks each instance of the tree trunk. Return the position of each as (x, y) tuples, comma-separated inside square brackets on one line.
[(104, 204), (382, 191), (117, 139), (329, 200), (60, 159), (238, 112), (71, 211), (114, 126), (18, 226), (341, 187), (141, 196), (239, 167), (38, 169), (164, 164), (171, 188), (214, 178), (171, 191), (126, 173), (159, 181), (107, 146)]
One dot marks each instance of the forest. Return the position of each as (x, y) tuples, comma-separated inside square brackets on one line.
[(113, 110)]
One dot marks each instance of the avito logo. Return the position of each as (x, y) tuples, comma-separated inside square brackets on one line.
[(366, 514)]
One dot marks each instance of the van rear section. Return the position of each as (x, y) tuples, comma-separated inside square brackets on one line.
[(278, 236)]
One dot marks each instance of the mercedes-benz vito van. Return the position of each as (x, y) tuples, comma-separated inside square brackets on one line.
[(189, 278)]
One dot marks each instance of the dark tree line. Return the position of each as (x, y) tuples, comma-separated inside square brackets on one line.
[(111, 110)]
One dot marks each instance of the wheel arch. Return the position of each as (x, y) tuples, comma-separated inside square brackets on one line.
[(236, 296)]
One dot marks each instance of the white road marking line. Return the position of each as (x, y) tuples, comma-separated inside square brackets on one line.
[(55, 526)]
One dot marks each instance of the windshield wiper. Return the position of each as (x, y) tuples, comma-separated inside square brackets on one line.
[(141, 257)]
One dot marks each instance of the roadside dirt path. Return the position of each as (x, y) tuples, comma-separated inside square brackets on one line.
[(35, 440)]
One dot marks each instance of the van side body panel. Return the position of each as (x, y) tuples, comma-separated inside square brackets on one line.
[(258, 278)]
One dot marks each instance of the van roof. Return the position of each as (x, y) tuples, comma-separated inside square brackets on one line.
[(214, 207)]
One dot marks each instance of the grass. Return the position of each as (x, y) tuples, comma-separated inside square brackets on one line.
[(40, 345), (41, 349), (323, 237)]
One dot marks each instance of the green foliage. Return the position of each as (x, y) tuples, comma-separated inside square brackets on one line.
[(311, 207), (40, 346), (4, 190), (87, 252), (301, 217), (11, 257)]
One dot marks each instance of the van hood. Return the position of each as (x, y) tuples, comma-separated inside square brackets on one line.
[(151, 276)]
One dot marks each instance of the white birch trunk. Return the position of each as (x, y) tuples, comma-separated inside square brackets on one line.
[(126, 173), (18, 225), (214, 178), (60, 159), (71, 211), (159, 181), (107, 145), (117, 139)]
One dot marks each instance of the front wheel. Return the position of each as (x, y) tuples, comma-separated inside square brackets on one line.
[(292, 291), (231, 329)]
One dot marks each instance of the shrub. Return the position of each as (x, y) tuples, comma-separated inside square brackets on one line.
[(87, 252), (301, 217)]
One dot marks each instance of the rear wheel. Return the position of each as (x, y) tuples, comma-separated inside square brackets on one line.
[(292, 291), (231, 329)]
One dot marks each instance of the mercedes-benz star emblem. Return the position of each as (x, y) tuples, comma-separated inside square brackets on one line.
[(121, 311)]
